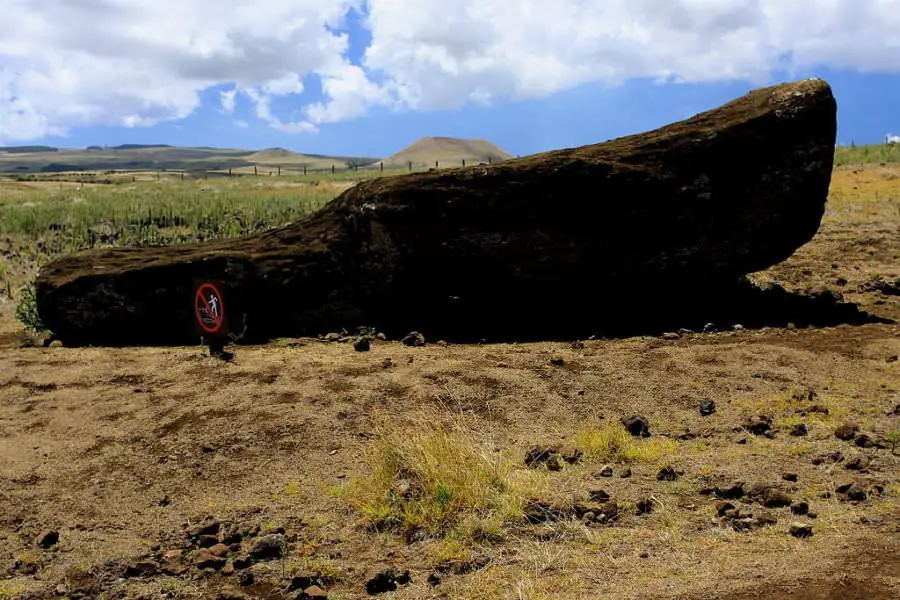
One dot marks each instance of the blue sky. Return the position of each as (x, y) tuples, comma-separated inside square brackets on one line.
[(383, 73)]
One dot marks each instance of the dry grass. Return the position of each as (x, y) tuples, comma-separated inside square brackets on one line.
[(438, 477), (613, 443)]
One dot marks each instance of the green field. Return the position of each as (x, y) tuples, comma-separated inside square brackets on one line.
[(862, 155)]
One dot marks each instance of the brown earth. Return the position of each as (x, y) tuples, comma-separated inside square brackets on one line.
[(448, 152), (119, 449)]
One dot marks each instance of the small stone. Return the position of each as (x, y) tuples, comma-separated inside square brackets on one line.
[(637, 426), (204, 559), (800, 508), (413, 339), (855, 493), (380, 337), (598, 495), (606, 471), (141, 568), (858, 463), (625, 473), (766, 519), (268, 547), (577, 346), (812, 515), (846, 432), (434, 580), (571, 455), (723, 507), (332, 337), (644, 507), (738, 327), (801, 530), (47, 539), (734, 491), (557, 361), (362, 344), (218, 550), (205, 527), (789, 476), (385, 580), (246, 579), (242, 562), (709, 328), (791, 326), (671, 336), (800, 430), (834, 456), (541, 455), (707, 407), (232, 595), (387, 363), (228, 569), (667, 473), (864, 441), (775, 498), (314, 592), (207, 541), (442, 343), (758, 424), (173, 554), (819, 409)]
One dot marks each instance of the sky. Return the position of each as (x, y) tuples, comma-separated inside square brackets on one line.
[(368, 77)]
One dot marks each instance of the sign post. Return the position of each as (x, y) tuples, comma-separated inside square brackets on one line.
[(210, 316)]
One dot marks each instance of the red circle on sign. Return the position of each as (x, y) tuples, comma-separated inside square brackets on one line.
[(209, 308)]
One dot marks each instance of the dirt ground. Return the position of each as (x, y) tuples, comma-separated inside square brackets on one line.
[(133, 455)]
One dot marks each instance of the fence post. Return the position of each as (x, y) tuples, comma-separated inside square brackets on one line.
[(381, 165), (304, 169), (182, 175), (255, 173), (490, 160), (464, 162), (332, 168), (410, 165), (279, 172), (229, 171), (435, 164)]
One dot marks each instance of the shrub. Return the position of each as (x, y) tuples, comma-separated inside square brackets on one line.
[(26, 310)]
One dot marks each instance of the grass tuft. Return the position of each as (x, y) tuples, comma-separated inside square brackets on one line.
[(613, 443), (440, 479)]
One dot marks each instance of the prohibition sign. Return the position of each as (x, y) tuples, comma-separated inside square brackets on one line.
[(209, 308)]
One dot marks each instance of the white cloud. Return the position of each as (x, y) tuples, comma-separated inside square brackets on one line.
[(74, 63), (227, 98), (241, 124)]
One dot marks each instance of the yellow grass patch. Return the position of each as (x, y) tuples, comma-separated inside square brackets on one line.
[(613, 443)]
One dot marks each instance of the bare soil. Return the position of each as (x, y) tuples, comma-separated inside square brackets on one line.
[(121, 451)]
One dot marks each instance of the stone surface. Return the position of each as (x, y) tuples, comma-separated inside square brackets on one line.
[(267, 547), (637, 426), (484, 248), (707, 407), (47, 539)]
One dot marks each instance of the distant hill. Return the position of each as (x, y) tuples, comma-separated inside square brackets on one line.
[(152, 157), (447, 152), (27, 149)]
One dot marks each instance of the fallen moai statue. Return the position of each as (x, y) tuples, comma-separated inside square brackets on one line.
[(522, 247)]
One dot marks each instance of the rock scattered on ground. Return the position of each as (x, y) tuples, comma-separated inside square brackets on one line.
[(606, 471), (362, 344), (557, 361), (47, 539), (637, 426), (846, 432), (758, 424), (799, 529), (667, 473), (707, 407), (800, 430), (413, 339), (267, 547), (799, 508), (858, 463), (386, 579)]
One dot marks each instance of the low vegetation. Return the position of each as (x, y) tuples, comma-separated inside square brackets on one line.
[(440, 479)]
